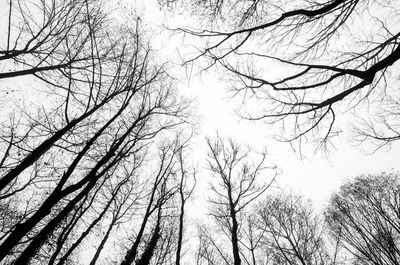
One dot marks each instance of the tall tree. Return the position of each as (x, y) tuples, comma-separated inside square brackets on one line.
[(236, 184), (185, 190), (75, 95), (162, 189)]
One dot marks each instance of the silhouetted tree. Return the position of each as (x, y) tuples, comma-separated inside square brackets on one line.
[(152, 244), (185, 192), (83, 96), (364, 217), (168, 241), (162, 189), (291, 232), (108, 202), (236, 184)]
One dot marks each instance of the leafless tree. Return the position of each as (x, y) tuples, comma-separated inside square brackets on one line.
[(122, 147), (291, 231), (163, 188), (364, 218), (333, 56), (152, 244), (185, 192), (236, 184)]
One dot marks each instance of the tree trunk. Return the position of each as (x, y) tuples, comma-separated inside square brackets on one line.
[(149, 251)]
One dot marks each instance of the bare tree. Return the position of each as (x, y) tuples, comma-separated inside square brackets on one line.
[(162, 189), (152, 244), (364, 218), (113, 197), (185, 192), (333, 56), (168, 241), (236, 185), (291, 231)]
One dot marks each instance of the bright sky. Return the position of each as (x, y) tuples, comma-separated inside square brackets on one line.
[(315, 176)]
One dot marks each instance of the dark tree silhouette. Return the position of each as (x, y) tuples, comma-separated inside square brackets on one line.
[(364, 217), (85, 91), (114, 193), (185, 192), (291, 231), (236, 184), (162, 189), (151, 246)]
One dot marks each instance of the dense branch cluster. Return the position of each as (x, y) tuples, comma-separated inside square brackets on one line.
[(75, 170)]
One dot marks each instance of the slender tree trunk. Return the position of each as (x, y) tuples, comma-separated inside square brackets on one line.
[(235, 241), (35, 155), (103, 242), (64, 258), (76, 218), (131, 254), (235, 227), (31, 250), (149, 251), (180, 231), (62, 237)]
